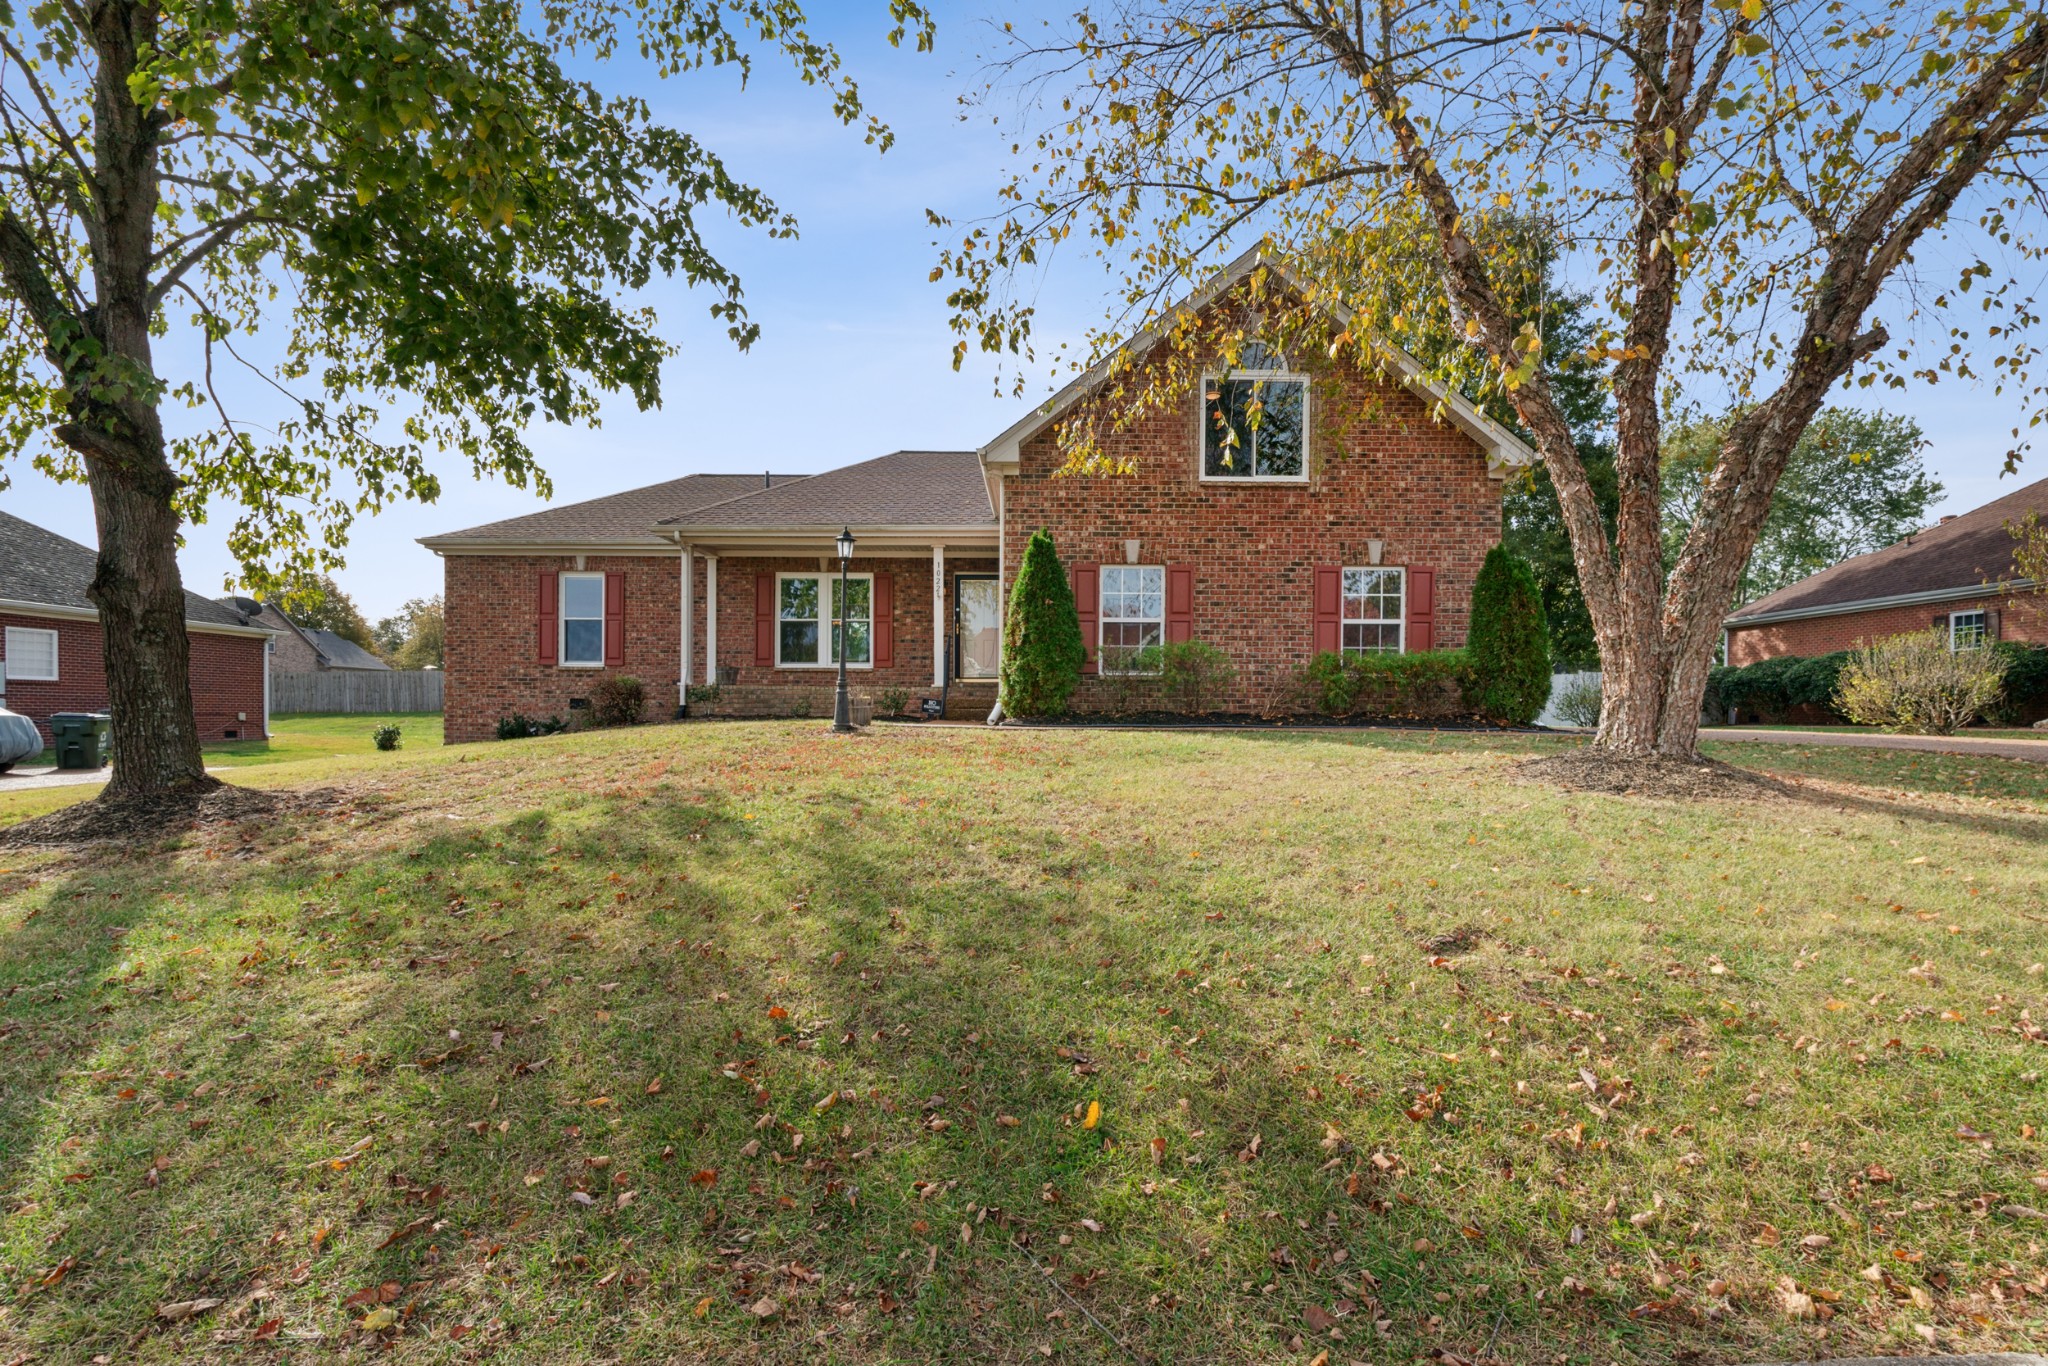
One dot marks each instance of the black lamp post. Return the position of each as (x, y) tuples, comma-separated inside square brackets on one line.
[(842, 706)]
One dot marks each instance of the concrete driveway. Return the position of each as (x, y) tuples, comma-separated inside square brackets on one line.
[(26, 778), (1995, 747)]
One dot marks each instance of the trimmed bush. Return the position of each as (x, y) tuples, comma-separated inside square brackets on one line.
[(1042, 653), (1403, 686), (618, 700), (1507, 648), (1773, 688), (1193, 674), (518, 727), (1915, 682), (2026, 682), (387, 737), (1578, 704)]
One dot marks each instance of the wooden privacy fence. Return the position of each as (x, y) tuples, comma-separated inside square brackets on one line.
[(356, 690)]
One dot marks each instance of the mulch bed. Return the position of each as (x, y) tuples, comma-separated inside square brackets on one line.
[(1585, 769), (144, 821), (1173, 720)]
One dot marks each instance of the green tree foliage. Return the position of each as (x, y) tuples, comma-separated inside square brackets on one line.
[(318, 603), (413, 637), (1854, 483), (420, 205), (1507, 649), (1042, 654)]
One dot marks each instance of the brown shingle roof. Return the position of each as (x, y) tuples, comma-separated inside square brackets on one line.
[(907, 489), (1963, 553), (617, 518), (40, 566)]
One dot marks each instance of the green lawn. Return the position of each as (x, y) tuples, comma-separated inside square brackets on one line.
[(1971, 732), (743, 1043), (323, 735)]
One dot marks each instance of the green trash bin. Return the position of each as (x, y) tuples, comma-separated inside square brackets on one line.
[(81, 738)]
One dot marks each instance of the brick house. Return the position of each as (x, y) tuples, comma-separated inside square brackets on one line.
[(1352, 515), (300, 649), (52, 654), (1956, 576)]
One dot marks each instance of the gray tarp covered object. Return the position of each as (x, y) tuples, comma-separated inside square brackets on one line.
[(19, 739)]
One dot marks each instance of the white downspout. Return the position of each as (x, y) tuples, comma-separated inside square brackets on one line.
[(683, 673), (938, 616), (711, 619)]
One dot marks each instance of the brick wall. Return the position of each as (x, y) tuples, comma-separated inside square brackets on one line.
[(227, 679), (1379, 468), (2021, 617), (493, 664)]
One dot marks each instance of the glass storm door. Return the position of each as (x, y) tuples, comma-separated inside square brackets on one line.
[(978, 620)]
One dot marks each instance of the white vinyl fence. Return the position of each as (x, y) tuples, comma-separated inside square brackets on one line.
[(1558, 683), (356, 691)]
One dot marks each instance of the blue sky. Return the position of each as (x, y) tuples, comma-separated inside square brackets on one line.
[(854, 357)]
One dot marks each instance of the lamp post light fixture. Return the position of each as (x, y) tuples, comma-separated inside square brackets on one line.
[(842, 706)]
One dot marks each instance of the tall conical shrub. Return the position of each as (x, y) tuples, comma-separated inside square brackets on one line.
[(1042, 653), (1507, 649)]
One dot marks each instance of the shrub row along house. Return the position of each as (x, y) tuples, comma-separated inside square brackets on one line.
[(1352, 516), (52, 652)]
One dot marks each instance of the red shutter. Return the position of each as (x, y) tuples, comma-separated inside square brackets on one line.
[(764, 621), (883, 608), (1180, 602), (548, 616), (1328, 604), (614, 619), (1421, 609), (1088, 606)]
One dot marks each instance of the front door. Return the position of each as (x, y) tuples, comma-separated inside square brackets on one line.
[(978, 626)]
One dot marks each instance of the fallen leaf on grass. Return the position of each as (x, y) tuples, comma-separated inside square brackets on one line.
[(764, 1308), (708, 1176), (405, 1231), (372, 1294), (377, 1320), (266, 1330), (2022, 1212), (1094, 1115), (184, 1309), (1008, 1121), (1319, 1319)]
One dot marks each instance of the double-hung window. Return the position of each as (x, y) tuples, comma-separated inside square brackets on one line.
[(1255, 420), (812, 623), (1374, 601), (582, 621), (1133, 617), (1967, 630), (31, 655)]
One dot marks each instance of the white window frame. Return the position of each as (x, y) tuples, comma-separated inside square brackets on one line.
[(1983, 625), (1103, 618), (1269, 376), (1344, 618), (827, 637), (562, 621), (7, 665)]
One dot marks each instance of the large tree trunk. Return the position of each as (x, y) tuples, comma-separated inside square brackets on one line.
[(141, 599), (116, 429)]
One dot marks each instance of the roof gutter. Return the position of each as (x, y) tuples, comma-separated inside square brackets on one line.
[(1735, 622)]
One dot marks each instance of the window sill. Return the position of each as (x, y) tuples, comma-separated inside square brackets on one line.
[(581, 668), (833, 667), (1298, 479)]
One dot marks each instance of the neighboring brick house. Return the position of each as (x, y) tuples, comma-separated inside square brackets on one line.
[(303, 649), (1957, 577), (52, 652), (1354, 516)]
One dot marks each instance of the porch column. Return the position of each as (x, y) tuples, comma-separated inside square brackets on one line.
[(938, 616), (683, 678), (711, 619)]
